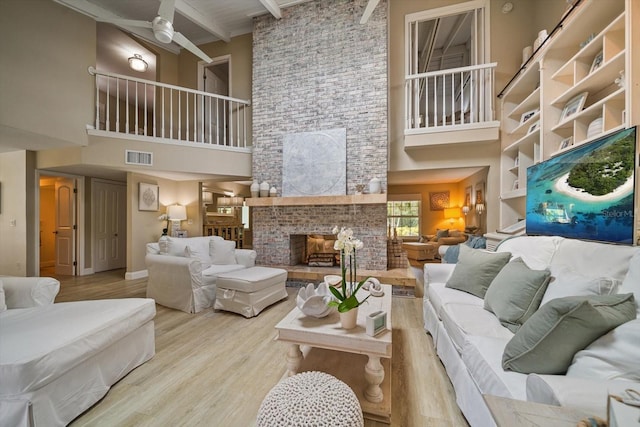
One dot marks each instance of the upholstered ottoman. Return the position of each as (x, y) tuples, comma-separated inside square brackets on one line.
[(310, 399), (420, 251), (250, 290)]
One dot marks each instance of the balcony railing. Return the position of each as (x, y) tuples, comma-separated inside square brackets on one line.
[(450, 99), (136, 107)]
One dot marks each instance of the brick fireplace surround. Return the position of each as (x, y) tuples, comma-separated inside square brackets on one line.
[(318, 68)]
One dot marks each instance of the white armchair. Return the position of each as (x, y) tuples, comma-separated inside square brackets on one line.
[(183, 271), (25, 292)]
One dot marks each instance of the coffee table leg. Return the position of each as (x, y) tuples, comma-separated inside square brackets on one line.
[(294, 359), (374, 374)]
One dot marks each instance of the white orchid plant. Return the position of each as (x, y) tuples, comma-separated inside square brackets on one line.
[(346, 295)]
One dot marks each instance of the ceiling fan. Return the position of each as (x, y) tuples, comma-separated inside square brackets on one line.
[(162, 27)]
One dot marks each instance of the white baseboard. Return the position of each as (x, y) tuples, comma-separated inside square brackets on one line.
[(86, 271), (136, 275)]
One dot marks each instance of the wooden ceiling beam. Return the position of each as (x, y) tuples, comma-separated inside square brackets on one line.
[(202, 21), (272, 7), (368, 10)]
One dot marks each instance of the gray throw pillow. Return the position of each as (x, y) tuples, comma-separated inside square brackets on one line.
[(515, 293), (476, 269), (442, 233), (547, 342)]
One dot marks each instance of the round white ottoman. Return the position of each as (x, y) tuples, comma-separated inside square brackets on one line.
[(310, 399)]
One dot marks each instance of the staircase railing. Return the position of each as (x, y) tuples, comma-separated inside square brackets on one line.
[(447, 98), (139, 107)]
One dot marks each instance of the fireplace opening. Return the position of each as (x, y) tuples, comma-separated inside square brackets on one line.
[(314, 250)]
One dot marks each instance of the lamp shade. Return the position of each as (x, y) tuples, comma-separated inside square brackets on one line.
[(451, 213), (176, 213)]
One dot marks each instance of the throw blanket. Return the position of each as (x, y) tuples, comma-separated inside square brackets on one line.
[(474, 242)]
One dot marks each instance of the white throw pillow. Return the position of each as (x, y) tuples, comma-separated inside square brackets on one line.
[(613, 356), (3, 304), (223, 252), (199, 249), (565, 283)]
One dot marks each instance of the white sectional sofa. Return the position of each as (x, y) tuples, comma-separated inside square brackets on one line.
[(183, 271), (57, 360), (470, 340)]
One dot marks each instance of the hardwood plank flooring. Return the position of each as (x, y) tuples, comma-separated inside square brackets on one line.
[(214, 368)]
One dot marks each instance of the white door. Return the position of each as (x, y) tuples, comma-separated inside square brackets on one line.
[(109, 218), (212, 122), (65, 226)]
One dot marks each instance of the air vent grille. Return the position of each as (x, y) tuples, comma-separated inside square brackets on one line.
[(138, 158)]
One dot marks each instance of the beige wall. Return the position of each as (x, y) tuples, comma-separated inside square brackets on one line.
[(17, 242), (46, 90)]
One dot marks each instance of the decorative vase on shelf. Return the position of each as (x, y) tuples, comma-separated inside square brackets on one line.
[(542, 36), (374, 186), (273, 192), (349, 319), (255, 188), (264, 189)]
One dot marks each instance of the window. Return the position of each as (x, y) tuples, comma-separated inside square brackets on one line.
[(403, 216)]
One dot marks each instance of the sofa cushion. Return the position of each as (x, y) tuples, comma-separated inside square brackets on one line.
[(613, 356), (476, 269), (461, 321), (544, 247), (596, 259), (631, 282), (547, 342), (223, 252), (199, 249), (483, 358), (515, 293), (440, 296), (566, 282), (175, 246), (441, 233)]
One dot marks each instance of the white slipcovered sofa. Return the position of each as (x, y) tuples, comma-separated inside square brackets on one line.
[(57, 360), (183, 271), (471, 341)]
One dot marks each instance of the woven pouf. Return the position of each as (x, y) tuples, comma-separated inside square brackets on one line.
[(310, 399)]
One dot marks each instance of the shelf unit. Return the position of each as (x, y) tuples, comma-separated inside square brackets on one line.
[(587, 54)]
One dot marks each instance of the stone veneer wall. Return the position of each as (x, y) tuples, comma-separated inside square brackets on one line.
[(318, 68)]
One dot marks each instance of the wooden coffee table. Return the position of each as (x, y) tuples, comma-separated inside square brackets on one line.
[(322, 345)]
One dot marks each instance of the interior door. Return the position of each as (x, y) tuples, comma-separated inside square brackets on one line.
[(65, 226), (109, 218)]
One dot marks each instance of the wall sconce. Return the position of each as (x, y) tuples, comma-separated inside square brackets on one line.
[(480, 208), (465, 210), (175, 214), (233, 201), (137, 63), (451, 214)]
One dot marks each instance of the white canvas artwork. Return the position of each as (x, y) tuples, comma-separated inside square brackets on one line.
[(315, 163)]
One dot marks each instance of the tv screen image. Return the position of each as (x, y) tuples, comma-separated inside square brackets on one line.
[(587, 192)]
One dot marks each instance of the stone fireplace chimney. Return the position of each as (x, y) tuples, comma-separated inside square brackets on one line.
[(316, 69)]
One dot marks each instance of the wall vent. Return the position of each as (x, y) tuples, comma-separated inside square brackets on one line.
[(138, 158)]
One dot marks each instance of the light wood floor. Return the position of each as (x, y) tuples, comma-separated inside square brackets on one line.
[(215, 368)]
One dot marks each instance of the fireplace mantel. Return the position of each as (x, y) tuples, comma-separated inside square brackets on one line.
[(360, 199)]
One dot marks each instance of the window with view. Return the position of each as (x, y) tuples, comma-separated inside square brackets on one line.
[(403, 216)]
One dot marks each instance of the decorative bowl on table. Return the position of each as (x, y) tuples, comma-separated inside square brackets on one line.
[(313, 302)]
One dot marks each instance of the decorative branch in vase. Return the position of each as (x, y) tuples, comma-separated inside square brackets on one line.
[(346, 295)]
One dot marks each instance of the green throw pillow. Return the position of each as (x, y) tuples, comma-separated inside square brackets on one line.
[(515, 293), (476, 269), (547, 342)]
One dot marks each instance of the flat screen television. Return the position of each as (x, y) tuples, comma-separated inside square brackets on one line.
[(587, 192)]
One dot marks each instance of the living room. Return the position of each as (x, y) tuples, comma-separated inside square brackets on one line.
[(59, 144)]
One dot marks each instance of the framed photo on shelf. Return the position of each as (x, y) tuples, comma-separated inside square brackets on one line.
[(574, 105), (527, 115), (566, 143), (516, 185), (597, 62), (534, 127)]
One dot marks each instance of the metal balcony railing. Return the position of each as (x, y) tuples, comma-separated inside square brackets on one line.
[(136, 107), (445, 99)]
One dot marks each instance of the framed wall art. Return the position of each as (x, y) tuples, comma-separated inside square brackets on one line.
[(439, 200), (148, 197), (573, 106)]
